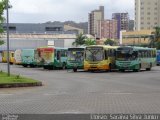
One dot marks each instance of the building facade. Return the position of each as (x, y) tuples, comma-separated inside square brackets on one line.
[(107, 29), (147, 14), (136, 37), (122, 22), (93, 19), (38, 28)]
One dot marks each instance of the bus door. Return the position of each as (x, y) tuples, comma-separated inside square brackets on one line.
[(58, 56)]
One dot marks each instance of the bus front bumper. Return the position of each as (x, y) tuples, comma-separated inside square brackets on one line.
[(96, 67)]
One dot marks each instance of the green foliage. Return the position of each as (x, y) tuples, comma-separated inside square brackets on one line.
[(5, 79), (155, 38), (1, 42), (157, 45), (80, 40), (17, 76), (3, 4), (109, 42), (90, 41)]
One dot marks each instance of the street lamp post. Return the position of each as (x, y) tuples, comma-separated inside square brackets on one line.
[(8, 56)]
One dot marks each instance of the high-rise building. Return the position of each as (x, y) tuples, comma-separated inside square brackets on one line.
[(107, 29), (122, 21), (131, 25), (147, 14), (93, 19)]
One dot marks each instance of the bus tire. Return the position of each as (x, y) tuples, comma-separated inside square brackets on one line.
[(110, 67), (32, 66), (11, 63), (122, 70), (45, 67), (136, 70), (74, 69), (24, 65)]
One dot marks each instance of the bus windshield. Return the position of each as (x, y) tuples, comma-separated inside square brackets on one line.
[(76, 56), (94, 54), (126, 55)]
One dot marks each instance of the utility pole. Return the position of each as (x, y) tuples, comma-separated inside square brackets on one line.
[(8, 56)]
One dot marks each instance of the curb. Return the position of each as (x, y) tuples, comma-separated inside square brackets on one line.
[(11, 85)]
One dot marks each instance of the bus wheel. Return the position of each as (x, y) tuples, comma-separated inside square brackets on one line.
[(122, 70), (45, 67), (110, 67), (25, 65), (32, 66), (75, 69), (136, 70)]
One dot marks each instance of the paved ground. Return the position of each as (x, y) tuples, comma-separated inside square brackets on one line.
[(83, 92)]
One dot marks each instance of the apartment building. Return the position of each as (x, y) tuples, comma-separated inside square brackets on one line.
[(93, 18), (147, 14), (122, 21), (107, 29)]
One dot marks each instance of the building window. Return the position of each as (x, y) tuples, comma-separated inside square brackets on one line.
[(148, 18), (12, 28), (148, 13), (155, 8), (53, 29)]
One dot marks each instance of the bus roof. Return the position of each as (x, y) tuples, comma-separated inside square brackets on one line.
[(104, 46), (138, 48)]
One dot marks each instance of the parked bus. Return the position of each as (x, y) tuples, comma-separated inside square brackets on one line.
[(52, 57), (135, 58), (11, 56), (39, 55), (75, 59), (28, 57), (158, 57), (18, 57), (99, 57)]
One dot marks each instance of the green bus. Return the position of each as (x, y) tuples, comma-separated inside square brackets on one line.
[(52, 57), (28, 57), (135, 58), (75, 59)]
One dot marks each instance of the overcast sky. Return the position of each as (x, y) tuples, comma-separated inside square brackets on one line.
[(39, 11)]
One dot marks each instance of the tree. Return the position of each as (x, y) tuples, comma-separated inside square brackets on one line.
[(155, 37), (3, 4), (90, 41), (80, 40), (109, 42), (1, 42)]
